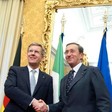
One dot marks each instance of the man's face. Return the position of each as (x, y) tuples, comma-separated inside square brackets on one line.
[(72, 55), (34, 55)]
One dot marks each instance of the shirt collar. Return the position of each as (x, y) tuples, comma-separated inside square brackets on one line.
[(76, 68), (30, 69)]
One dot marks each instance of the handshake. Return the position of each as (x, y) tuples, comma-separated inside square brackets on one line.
[(39, 105)]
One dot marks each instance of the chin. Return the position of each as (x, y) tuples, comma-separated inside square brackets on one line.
[(32, 63), (71, 64)]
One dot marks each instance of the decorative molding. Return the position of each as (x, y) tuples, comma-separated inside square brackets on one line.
[(50, 7), (48, 17), (82, 3)]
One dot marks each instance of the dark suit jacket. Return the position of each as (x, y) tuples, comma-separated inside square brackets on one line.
[(87, 93), (17, 88)]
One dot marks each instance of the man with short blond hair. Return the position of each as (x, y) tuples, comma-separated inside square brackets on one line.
[(26, 85)]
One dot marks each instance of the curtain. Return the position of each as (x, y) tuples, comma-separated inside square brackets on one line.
[(10, 28)]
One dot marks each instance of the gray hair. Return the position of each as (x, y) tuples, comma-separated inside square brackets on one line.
[(80, 48)]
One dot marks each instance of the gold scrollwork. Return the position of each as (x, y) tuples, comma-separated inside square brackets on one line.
[(49, 13), (50, 7), (79, 3), (85, 60)]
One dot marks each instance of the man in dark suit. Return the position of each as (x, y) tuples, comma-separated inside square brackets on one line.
[(83, 89), (18, 85)]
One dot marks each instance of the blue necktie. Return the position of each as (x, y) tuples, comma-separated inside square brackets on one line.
[(70, 78)]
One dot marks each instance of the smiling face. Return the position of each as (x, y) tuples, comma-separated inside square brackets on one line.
[(73, 54), (34, 55)]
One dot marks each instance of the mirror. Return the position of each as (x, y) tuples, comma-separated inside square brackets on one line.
[(54, 5), (84, 26)]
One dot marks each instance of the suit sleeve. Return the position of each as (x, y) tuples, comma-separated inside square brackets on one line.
[(101, 92), (50, 92), (57, 107), (13, 92)]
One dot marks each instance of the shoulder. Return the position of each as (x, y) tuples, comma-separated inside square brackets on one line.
[(17, 68), (45, 74), (95, 72), (93, 68)]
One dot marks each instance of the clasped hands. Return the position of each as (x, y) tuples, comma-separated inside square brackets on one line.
[(39, 106)]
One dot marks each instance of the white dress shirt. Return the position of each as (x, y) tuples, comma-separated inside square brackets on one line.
[(36, 77), (36, 73), (76, 68)]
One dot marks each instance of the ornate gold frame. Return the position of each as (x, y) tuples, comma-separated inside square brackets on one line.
[(50, 7)]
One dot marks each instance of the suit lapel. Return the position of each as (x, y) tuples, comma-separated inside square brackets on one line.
[(25, 75), (78, 76), (63, 88), (40, 81), (65, 83)]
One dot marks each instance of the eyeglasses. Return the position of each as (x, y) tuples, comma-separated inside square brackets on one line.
[(69, 51)]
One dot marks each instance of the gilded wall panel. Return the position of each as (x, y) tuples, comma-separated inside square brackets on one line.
[(33, 25)]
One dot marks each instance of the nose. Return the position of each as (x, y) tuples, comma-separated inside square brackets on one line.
[(33, 52), (68, 53)]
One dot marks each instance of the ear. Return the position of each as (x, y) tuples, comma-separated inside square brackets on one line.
[(43, 57), (81, 56)]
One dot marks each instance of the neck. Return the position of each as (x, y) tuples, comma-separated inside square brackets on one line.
[(33, 66), (72, 66)]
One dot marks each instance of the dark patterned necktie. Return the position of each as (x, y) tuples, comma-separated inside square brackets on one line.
[(70, 78)]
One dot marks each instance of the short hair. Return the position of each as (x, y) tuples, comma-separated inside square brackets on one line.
[(80, 48), (37, 44)]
